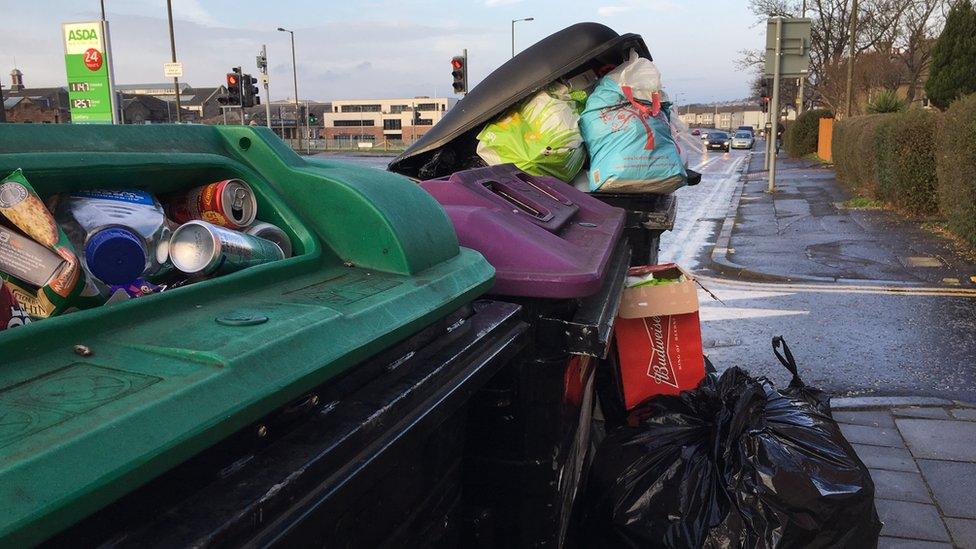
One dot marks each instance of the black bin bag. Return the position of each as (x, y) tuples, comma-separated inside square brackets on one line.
[(733, 463)]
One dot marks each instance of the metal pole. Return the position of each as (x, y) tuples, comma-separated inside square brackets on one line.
[(850, 60), (103, 9), (513, 38), (803, 79), (294, 68), (115, 99), (172, 47), (267, 94), (223, 111), (3, 112), (774, 109)]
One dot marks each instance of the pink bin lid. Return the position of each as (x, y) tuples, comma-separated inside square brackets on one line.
[(544, 237)]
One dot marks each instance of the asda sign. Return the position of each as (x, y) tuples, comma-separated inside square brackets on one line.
[(82, 34), (90, 96)]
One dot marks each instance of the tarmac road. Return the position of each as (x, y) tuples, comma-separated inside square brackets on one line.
[(849, 338)]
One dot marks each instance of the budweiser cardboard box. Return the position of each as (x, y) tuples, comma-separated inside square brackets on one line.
[(659, 336)]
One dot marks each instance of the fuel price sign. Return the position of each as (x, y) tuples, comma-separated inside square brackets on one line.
[(89, 84)]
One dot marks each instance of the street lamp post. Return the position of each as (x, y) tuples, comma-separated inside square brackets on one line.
[(172, 46), (513, 31), (294, 70)]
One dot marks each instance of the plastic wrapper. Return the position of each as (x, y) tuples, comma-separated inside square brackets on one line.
[(541, 136), (734, 463), (627, 131)]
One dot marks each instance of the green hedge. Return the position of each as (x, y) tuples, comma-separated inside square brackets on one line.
[(800, 136), (853, 153), (956, 167), (904, 156)]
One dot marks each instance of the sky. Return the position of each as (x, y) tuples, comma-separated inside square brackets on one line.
[(376, 48)]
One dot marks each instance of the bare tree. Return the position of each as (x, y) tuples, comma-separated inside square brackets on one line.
[(878, 24), (921, 23)]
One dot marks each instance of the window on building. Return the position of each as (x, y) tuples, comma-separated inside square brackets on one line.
[(427, 107), (351, 123), (425, 122), (361, 108), (394, 124), (397, 109)]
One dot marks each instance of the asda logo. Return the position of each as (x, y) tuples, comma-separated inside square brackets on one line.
[(82, 34)]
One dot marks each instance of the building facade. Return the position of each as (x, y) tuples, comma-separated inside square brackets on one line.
[(379, 121), (34, 105)]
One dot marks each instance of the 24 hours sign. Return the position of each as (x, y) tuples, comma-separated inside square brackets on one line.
[(89, 88)]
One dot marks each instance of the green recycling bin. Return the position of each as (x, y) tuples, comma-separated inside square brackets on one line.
[(98, 402)]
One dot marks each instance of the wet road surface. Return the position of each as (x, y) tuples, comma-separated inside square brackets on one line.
[(851, 339)]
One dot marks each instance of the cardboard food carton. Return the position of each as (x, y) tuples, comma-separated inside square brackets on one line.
[(658, 336)]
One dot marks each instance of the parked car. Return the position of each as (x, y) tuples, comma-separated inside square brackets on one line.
[(742, 140), (749, 129), (717, 140), (695, 132)]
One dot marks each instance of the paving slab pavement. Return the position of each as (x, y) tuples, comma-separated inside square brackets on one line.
[(805, 232), (922, 457)]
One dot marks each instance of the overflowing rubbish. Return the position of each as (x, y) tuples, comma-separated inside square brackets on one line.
[(229, 203), (66, 286), (12, 314), (734, 462), (201, 247), (101, 246), (658, 333), (273, 233), (627, 131), (123, 234), (541, 136)]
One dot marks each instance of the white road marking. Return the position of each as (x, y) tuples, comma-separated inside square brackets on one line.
[(835, 288), (691, 234), (713, 313)]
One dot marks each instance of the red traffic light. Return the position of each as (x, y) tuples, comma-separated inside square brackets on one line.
[(457, 63), (231, 80)]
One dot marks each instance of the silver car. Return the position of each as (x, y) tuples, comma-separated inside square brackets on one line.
[(742, 140)]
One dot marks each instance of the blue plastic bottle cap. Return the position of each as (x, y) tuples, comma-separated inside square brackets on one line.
[(115, 256)]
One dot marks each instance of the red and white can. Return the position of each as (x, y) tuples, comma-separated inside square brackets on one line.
[(229, 203)]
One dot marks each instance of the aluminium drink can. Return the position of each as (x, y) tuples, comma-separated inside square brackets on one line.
[(271, 232), (198, 247), (229, 203)]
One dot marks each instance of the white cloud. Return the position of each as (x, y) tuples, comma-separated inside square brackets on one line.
[(608, 11), (637, 5)]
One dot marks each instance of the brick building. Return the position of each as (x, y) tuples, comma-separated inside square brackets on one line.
[(36, 105)]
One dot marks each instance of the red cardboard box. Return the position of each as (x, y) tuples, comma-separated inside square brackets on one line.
[(659, 336)]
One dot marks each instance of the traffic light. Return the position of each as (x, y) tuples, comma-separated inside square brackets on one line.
[(416, 116), (233, 97), (459, 71), (312, 119), (262, 62), (764, 94), (249, 91)]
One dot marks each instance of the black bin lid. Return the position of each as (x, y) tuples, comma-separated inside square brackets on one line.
[(562, 54)]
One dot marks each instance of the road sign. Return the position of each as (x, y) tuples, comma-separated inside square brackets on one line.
[(89, 71), (794, 47), (173, 70)]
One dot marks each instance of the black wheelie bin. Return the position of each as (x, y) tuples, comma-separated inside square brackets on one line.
[(558, 253)]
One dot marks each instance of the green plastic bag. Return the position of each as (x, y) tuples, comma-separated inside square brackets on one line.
[(540, 136)]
